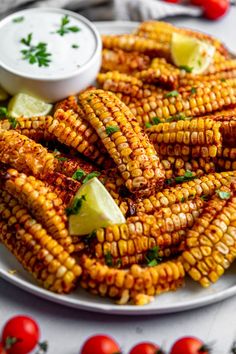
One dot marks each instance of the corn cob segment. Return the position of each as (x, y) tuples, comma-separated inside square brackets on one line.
[(131, 43), (128, 146), (44, 205), (25, 155), (204, 100), (196, 80), (201, 187), (226, 159), (223, 115), (34, 128), (136, 284), (38, 252), (211, 243), (124, 62), (228, 131)]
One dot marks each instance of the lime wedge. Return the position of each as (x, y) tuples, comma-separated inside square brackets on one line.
[(191, 53), (27, 106), (98, 209), (3, 94)]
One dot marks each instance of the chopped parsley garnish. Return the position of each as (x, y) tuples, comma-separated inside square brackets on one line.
[(90, 236), (79, 174), (148, 125), (171, 94), (155, 121), (18, 19), (35, 54), (223, 195), (223, 80), (64, 29), (188, 176), (152, 257), (43, 347), (112, 129), (91, 175), (108, 259), (193, 90), (177, 117), (58, 156), (182, 200), (204, 197), (75, 46), (188, 69), (75, 206), (5, 115)]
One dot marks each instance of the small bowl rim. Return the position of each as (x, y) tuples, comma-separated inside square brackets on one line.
[(80, 70)]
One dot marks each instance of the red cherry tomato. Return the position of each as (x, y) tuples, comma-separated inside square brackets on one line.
[(189, 345), (2, 350), (198, 2), (173, 1), (102, 344), (26, 332), (146, 348), (214, 9)]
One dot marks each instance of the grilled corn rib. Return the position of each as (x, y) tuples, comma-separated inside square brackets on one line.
[(196, 80), (204, 100), (162, 31), (128, 146), (131, 43), (124, 62), (34, 128), (160, 73), (25, 154), (38, 252), (196, 138), (223, 115), (211, 243), (44, 205), (126, 285), (201, 187), (226, 159)]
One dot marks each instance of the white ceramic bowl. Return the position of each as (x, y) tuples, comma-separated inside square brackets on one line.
[(47, 87)]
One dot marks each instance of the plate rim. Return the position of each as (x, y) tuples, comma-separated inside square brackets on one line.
[(114, 308)]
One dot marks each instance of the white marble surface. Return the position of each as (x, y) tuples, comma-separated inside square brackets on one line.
[(66, 329)]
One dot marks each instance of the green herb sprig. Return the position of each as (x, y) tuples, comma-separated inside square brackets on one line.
[(188, 176), (64, 29), (222, 194), (108, 259), (173, 93), (18, 19), (75, 206), (91, 175), (154, 121), (187, 68), (177, 117), (4, 114), (152, 257), (112, 129), (35, 54)]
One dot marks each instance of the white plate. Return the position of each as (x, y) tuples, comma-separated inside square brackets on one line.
[(189, 297)]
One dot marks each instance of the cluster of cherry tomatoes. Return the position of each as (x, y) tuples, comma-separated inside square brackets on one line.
[(212, 9)]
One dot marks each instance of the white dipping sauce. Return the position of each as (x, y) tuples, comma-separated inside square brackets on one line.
[(65, 60)]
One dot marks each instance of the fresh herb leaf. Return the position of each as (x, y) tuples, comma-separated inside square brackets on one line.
[(112, 129), (171, 94), (35, 54), (76, 205), (43, 347), (204, 197), (169, 181), (13, 122), (177, 117), (148, 125), (64, 29), (188, 69), (75, 46), (223, 195), (18, 19), (91, 175), (78, 174), (182, 200), (108, 259), (61, 158), (3, 113), (90, 236), (188, 176), (223, 80), (156, 121), (152, 256), (193, 90)]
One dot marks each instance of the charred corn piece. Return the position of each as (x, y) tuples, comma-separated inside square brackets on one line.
[(124, 140), (68, 165), (25, 155), (204, 100), (34, 128), (160, 73), (223, 115), (64, 187), (41, 255), (201, 187), (126, 84), (226, 159), (129, 285), (43, 204), (211, 243), (178, 166), (162, 31), (222, 66), (131, 43), (124, 62), (196, 80), (196, 138)]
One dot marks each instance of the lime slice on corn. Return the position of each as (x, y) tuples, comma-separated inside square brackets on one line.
[(191, 53), (27, 106), (3, 94), (97, 209)]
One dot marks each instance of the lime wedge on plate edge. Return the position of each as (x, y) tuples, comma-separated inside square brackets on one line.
[(27, 106), (97, 209), (191, 52)]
